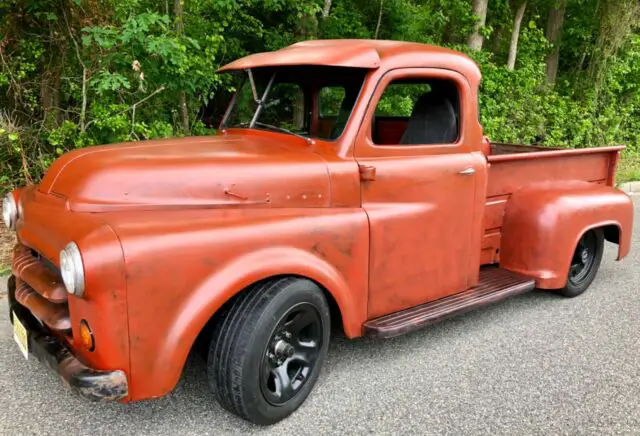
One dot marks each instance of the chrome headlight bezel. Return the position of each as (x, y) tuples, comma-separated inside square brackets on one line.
[(20, 209), (9, 211), (72, 269)]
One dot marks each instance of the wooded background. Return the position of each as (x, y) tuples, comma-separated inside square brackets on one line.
[(79, 72)]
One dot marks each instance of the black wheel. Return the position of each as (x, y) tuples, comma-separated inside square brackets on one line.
[(266, 352), (584, 263)]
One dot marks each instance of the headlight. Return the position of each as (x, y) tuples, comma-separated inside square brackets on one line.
[(9, 211), (72, 269)]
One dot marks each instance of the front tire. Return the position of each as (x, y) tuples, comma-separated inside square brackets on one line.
[(267, 350), (584, 263)]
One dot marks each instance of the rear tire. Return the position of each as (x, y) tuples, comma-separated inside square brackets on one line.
[(584, 263), (267, 350)]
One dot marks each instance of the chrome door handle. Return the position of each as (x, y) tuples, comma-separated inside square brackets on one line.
[(467, 172)]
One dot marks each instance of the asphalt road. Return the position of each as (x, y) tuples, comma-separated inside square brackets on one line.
[(535, 364)]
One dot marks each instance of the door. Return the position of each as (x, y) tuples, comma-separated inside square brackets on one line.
[(422, 188)]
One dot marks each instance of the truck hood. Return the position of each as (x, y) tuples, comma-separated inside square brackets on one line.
[(231, 170)]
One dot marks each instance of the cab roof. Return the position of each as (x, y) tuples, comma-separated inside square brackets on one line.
[(359, 53)]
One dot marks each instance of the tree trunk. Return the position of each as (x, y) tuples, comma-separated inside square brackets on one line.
[(307, 27), (496, 40), (184, 112), (183, 109), (326, 9), (50, 95), (617, 19), (298, 111), (50, 84), (379, 21), (480, 11), (553, 34), (515, 35)]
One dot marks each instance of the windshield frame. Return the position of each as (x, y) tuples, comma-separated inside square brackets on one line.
[(358, 80), (261, 102)]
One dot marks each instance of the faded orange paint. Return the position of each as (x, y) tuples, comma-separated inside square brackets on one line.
[(555, 216), (170, 230), (46, 226)]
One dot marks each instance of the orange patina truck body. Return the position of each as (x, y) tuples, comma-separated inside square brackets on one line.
[(170, 230)]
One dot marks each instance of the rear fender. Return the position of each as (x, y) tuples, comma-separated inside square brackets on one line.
[(544, 222)]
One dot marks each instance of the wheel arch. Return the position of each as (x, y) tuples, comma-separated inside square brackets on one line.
[(203, 305), (543, 224), (611, 229), (334, 308), (612, 233)]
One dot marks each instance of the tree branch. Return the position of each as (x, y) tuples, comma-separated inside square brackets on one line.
[(11, 78), (132, 107)]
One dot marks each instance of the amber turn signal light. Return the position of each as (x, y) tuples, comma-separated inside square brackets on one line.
[(87, 336)]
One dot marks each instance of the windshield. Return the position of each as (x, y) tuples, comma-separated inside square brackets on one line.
[(308, 101)]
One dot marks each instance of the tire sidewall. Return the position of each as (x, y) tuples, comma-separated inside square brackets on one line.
[(301, 291), (573, 290)]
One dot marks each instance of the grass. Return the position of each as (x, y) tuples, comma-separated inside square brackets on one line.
[(628, 168)]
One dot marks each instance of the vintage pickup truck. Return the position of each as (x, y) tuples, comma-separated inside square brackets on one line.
[(349, 185)]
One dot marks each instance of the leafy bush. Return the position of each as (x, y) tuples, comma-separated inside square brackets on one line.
[(83, 72)]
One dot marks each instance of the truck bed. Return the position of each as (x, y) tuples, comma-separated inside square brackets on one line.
[(499, 148), (513, 166)]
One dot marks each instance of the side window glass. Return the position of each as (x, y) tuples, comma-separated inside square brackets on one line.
[(417, 112)]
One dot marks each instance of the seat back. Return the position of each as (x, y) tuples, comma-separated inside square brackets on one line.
[(433, 120)]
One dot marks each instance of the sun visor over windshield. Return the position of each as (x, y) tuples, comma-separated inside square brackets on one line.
[(326, 53)]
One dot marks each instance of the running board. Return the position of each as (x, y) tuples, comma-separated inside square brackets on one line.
[(495, 284)]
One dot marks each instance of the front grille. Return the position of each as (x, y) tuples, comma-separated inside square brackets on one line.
[(40, 289), (45, 262)]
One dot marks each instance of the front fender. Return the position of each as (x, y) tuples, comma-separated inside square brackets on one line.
[(183, 266), (544, 222), (244, 271)]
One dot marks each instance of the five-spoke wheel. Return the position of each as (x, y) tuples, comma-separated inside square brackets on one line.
[(291, 354)]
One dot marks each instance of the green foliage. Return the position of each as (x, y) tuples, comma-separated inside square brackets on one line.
[(82, 72), (399, 99), (330, 100)]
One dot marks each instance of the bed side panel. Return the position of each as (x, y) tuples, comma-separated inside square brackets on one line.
[(510, 173)]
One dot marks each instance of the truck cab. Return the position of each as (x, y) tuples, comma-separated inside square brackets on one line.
[(349, 184)]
